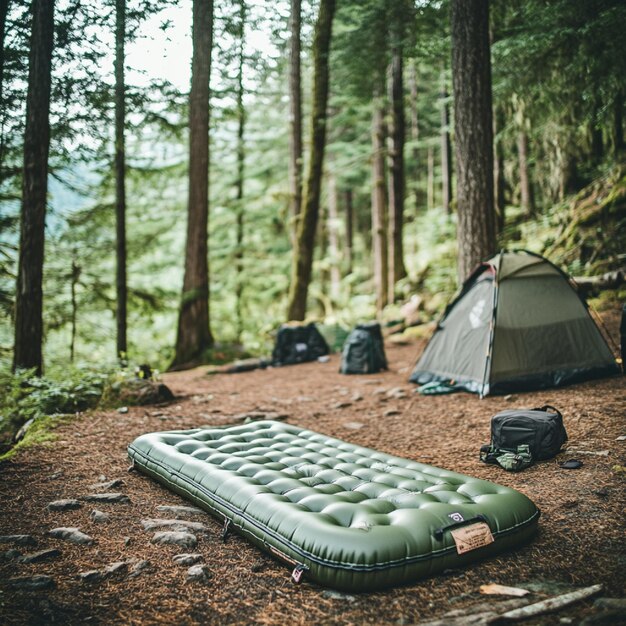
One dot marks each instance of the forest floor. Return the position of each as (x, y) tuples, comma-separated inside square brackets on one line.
[(581, 530)]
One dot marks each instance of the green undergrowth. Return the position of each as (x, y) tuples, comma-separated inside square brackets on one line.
[(41, 402), (40, 433)]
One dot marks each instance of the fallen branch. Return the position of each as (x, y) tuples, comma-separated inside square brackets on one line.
[(551, 604), (610, 280)]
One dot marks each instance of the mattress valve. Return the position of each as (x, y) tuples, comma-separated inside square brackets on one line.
[(298, 570)]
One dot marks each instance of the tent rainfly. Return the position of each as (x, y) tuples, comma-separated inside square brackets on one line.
[(517, 324)]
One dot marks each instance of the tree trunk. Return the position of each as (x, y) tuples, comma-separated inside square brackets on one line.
[(120, 180), (241, 122), (597, 144), (525, 186), (397, 270), (349, 230), (333, 239), (29, 294), (414, 128), (498, 171), (471, 73), (430, 179), (379, 205), (303, 254), (446, 152), (4, 11), (194, 334), (295, 118), (74, 277), (618, 126)]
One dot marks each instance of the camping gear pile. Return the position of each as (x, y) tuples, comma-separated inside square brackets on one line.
[(342, 515), (364, 350), (519, 437), (298, 344), (517, 324)]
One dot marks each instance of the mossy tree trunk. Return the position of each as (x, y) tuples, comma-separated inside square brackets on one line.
[(302, 263), (397, 269), (29, 293), (471, 77), (239, 183), (194, 335), (295, 117), (446, 150), (379, 204), (120, 180)]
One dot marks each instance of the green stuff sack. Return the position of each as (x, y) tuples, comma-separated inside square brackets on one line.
[(364, 351)]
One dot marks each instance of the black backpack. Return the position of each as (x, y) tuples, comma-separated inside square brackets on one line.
[(364, 351), (539, 432), (298, 344)]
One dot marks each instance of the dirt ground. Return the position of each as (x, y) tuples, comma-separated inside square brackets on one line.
[(580, 541)]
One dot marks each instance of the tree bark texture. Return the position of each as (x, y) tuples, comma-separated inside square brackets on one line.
[(194, 333), (618, 124), (397, 270), (446, 151), (241, 122), (379, 205), (29, 294), (349, 230), (414, 127), (4, 11), (295, 117), (74, 278), (120, 179), (471, 78), (430, 178), (303, 254), (333, 239), (498, 171), (525, 186)]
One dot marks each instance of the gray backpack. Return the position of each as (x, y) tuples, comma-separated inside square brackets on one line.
[(363, 351), (530, 434)]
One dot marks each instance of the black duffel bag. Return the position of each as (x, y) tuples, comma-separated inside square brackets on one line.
[(540, 429)]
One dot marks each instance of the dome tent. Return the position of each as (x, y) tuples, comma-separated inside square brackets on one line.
[(517, 324)]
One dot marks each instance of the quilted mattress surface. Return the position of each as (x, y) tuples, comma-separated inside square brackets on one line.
[(342, 515)]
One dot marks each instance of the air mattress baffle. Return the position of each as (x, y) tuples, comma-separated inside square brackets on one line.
[(341, 515)]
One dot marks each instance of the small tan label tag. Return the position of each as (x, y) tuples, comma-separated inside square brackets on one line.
[(471, 537)]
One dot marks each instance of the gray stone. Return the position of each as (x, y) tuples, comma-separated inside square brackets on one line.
[(63, 505), (126, 541), (91, 576), (106, 497), (611, 604), (43, 555), (74, 535), (180, 510), (9, 555), (20, 540), (39, 581), (198, 573), (185, 540), (99, 516), (187, 559), (115, 568), (390, 412), (342, 404), (111, 484), (330, 594), (353, 425), (123, 409), (397, 392), (173, 524), (140, 567), (604, 618)]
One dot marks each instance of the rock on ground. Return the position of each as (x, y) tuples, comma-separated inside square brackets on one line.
[(106, 497), (63, 505), (198, 573), (39, 581), (173, 524), (185, 540), (74, 535), (99, 516), (180, 510), (187, 559), (43, 555), (20, 540)]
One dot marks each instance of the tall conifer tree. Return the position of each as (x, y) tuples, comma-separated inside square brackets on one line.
[(29, 292)]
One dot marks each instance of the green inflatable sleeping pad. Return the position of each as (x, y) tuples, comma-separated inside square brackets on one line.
[(341, 515)]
